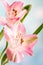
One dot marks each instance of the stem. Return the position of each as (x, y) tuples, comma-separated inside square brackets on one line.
[(38, 29), (1, 34), (5, 62), (4, 50)]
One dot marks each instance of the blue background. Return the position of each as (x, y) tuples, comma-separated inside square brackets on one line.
[(31, 22)]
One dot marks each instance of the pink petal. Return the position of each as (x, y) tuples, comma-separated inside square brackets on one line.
[(9, 53), (7, 33), (30, 40), (2, 21), (14, 56), (17, 6), (19, 57), (6, 5), (13, 20), (28, 51), (21, 14), (21, 28)]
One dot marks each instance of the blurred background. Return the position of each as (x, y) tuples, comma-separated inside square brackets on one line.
[(33, 20)]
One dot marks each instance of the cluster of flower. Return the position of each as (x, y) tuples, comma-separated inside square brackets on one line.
[(19, 43)]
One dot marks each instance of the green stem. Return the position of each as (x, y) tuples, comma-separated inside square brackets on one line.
[(1, 34), (4, 59), (4, 50), (5, 62), (38, 29)]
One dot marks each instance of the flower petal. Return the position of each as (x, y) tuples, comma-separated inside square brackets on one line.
[(28, 51), (8, 33), (6, 5), (18, 57), (17, 6), (21, 28), (21, 14), (9, 53), (30, 40), (13, 20), (2, 21)]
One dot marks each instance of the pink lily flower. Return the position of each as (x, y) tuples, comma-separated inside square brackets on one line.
[(18, 42), (14, 10)]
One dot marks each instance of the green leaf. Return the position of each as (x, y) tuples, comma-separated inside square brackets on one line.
[(4, 58), (6, 61), (28, 8), (38, 29), (1, 34), (4, 50)]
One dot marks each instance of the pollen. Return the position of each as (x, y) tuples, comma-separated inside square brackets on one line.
[(15, 12), (22, 40)]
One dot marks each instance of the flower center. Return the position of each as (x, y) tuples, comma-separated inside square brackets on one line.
[(14, 12), (17, 41), (22, 40)]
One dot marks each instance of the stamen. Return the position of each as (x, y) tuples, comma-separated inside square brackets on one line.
[(15, 11), (22, 40), (15, 58)]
